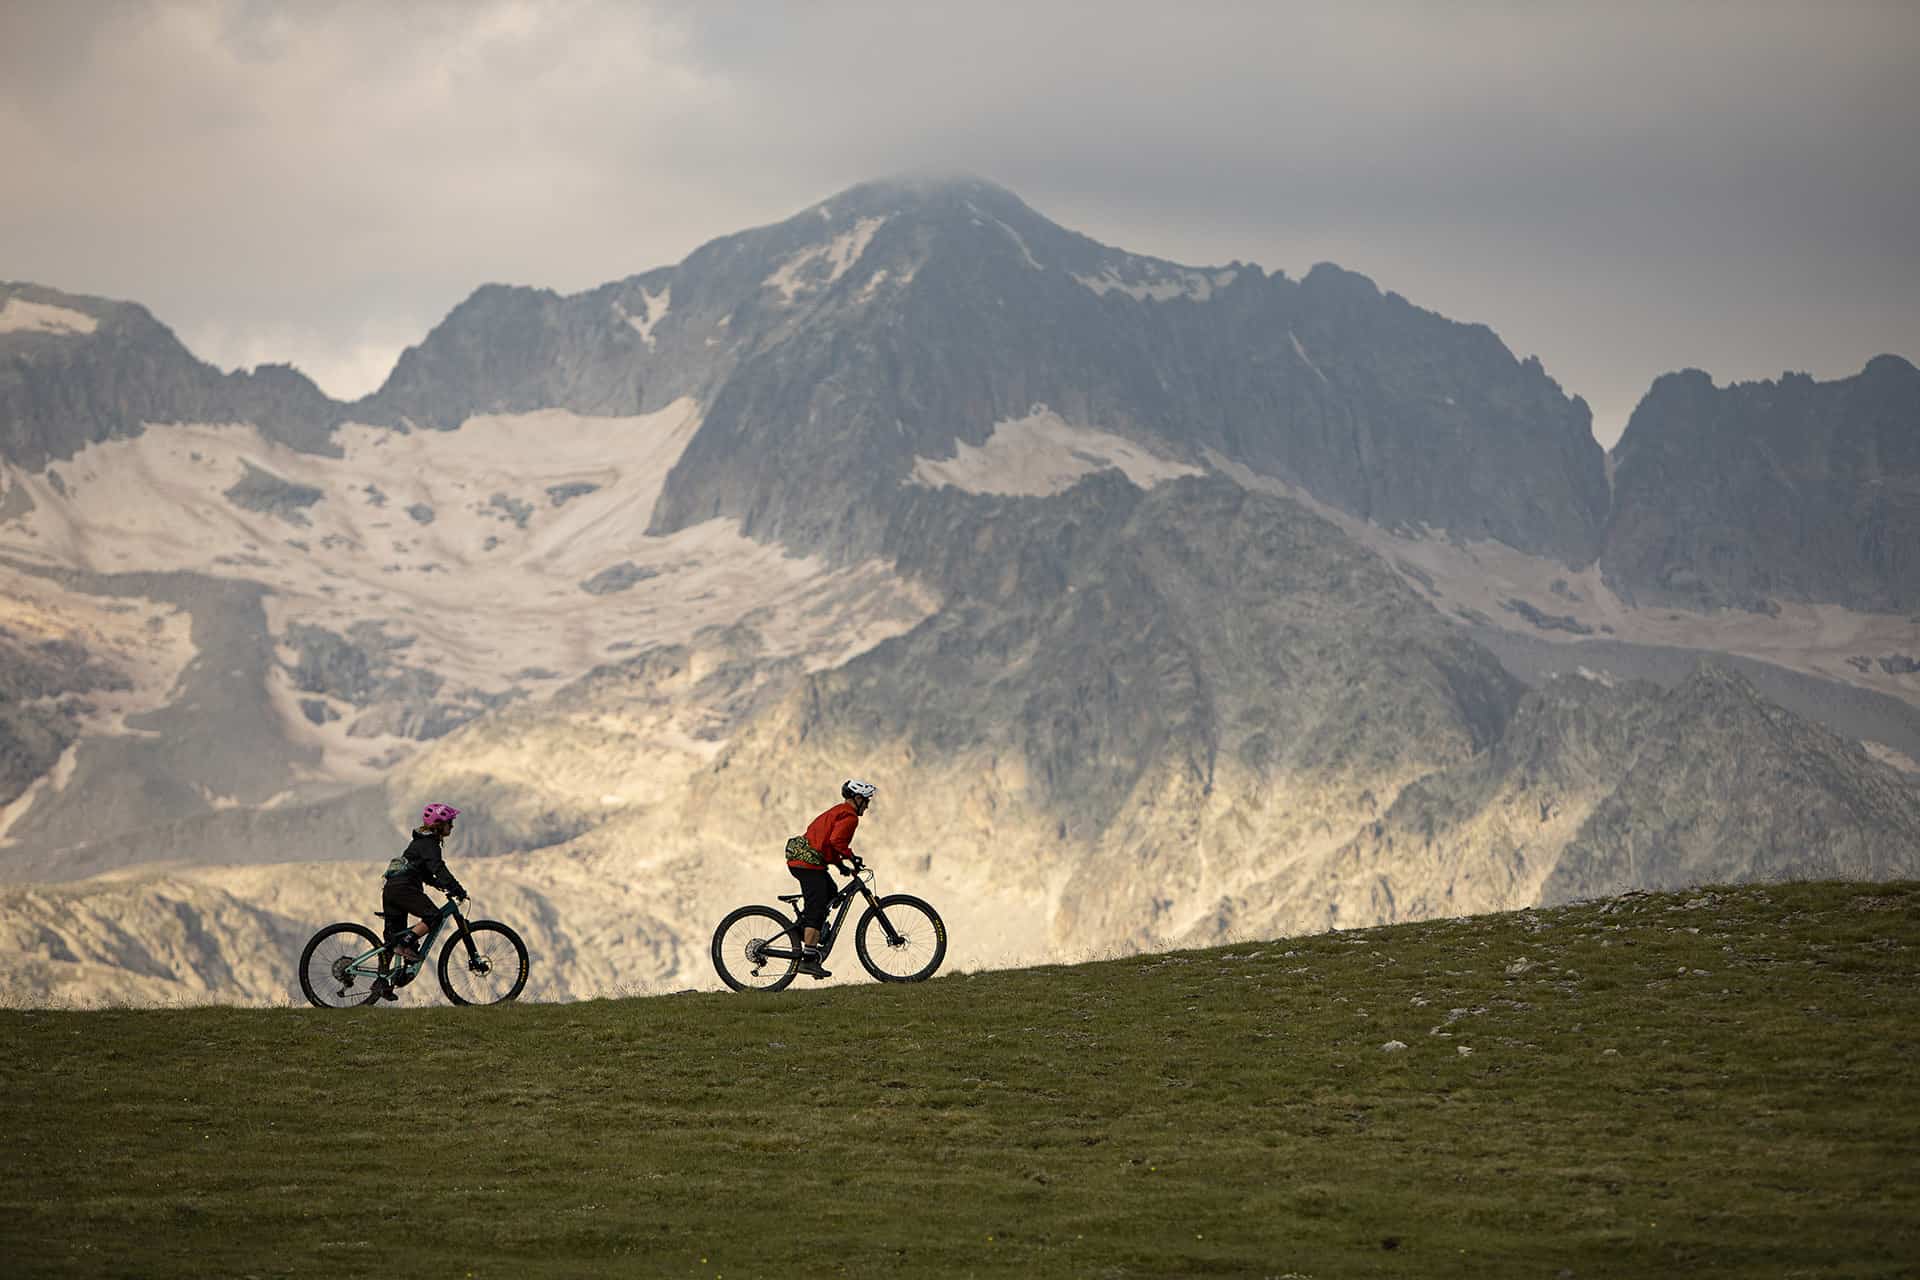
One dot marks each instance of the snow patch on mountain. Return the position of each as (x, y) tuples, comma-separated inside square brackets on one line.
[(1018, 240), (1892, 756), (448, 538), (656, 306), (54, 780), (1042, 454), (819, 266), (1158, 283), (1307, 360), (22, 316)]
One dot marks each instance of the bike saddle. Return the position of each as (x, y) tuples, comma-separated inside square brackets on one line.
[(791, 897)]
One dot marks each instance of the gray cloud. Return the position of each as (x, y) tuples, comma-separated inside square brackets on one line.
[(1623, 189)]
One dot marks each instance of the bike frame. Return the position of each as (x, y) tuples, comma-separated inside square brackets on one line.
[(368, 963), (837, 907)]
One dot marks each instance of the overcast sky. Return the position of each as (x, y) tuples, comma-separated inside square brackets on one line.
[(1622, 190)]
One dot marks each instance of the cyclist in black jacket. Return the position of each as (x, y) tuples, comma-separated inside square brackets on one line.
[(419, 865)]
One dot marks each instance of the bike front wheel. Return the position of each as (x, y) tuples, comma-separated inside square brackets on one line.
[(741, 944), (332, 975), (901, 939), (485, 963)]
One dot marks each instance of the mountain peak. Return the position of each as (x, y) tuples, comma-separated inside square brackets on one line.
[(1889, 366), (947, 205), (921, 191)]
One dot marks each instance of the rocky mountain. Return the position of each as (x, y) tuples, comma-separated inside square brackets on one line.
[(1182, 714), (1597, 787), (1724, 786), (909, 320), (900, 321), (1150, 594), (1743, 495), (74, 370)]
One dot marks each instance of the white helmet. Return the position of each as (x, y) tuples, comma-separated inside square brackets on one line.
[(853, 788)]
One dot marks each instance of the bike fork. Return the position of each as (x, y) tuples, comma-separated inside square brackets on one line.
[(886, 926)]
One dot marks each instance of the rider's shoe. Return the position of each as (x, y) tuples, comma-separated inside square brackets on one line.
[(383, 990), (810, 963)]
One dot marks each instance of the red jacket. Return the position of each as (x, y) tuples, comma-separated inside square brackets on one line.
[(831, 836)]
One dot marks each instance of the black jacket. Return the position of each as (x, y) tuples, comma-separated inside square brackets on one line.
[(422, 863)]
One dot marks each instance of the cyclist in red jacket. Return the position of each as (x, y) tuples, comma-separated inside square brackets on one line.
[(827, 843)]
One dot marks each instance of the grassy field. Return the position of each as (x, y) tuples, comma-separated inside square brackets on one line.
[(1724, 1082)]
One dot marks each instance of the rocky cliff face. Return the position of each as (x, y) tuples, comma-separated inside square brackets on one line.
[(74, 370), (901, 321), (1724, 786), (41, 675), (1796, 489), (1596, 787)]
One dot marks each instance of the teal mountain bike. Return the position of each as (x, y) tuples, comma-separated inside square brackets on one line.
[(899, 938), (484, 962)]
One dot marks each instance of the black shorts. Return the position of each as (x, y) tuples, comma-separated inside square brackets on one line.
[(818, 886), (401, 899)]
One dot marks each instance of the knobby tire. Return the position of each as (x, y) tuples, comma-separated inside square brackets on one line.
[(923, 939), (504, 955), (755, 924), (336, 942)]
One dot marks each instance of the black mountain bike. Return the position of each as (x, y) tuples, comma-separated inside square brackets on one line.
[(899, 939), (484, 962)]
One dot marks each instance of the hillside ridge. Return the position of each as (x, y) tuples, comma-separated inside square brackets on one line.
[(1448, 1099)]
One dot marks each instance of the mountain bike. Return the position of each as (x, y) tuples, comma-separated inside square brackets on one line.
[(484, 962), (899, 938)]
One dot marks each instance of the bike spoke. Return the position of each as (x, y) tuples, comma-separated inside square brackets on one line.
[(491, 972), (756, 950), (334, 969), (909, 955), (901, 940)]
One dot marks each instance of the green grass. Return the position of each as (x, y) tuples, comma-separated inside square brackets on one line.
[(1724, 1082)]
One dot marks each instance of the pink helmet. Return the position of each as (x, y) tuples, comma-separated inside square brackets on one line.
[(438, 813)]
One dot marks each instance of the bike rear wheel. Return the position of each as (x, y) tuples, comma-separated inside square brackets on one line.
[(485, 963), (327, 976), (916, 946), (739, 947)]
